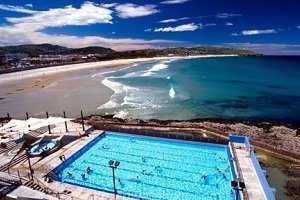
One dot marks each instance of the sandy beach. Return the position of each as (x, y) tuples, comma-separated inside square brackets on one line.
[(67, 87), (103, 65)]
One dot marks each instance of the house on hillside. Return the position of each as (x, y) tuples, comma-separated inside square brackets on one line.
[(2, 59)]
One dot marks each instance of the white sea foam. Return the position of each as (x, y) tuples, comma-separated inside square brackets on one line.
[(158, 67), (155, 68), (172, 92), (147, 74), (109, 104), (168, 61), (129, 101), (122, 114), (123, 94), (169, 77), (131, 74), (112, 71), (117, 88)]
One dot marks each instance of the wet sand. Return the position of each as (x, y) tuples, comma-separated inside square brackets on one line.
[(69, 87), (69, 91)]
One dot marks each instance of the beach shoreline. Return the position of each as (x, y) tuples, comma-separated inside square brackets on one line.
[(103, 65), (64, 87)]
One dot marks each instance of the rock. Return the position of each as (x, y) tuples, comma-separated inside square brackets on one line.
[(20, 89), (292, 187)]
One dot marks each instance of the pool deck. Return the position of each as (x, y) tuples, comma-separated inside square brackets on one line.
[(252, 182), (41, 167), (26, 192)]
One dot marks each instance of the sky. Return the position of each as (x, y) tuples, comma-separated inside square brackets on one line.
[(266, 26)]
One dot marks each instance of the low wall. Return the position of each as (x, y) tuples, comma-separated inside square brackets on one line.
[(153, 133)]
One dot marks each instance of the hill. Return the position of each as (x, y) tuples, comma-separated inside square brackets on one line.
[(49, 49), (181, 51), (25, 57)]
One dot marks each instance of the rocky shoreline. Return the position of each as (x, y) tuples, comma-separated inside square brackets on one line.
[(282, 140), (277, 140)]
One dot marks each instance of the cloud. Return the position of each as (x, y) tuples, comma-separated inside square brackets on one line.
[(148, 30), (227, 15), (180, 28), (254, 32), (88, 13), (130, 10), (228, 24), (20, 9), (108, 5), (173, 20), (257, 32), (11, 37), (268, 49), (29, 29), (298, 26), (209, 24), (174, 1), (29, 5)]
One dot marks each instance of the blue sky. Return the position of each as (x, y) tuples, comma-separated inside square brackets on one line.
[(270, 27)]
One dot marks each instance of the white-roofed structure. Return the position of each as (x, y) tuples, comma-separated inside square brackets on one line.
[(26, 125), (12, 123), (21, 126)]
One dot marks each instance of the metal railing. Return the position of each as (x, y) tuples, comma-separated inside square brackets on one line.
[(46, 188), (239, 171)]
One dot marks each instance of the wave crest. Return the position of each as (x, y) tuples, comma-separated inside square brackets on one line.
[(172, 92), (155, 68)]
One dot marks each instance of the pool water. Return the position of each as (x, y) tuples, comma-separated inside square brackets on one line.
[(42, 146), (152, 168)]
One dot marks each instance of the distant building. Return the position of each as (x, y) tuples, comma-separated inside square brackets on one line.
[(2, 59), (12, 57)]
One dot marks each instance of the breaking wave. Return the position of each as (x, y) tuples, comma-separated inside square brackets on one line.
[(155, 68)]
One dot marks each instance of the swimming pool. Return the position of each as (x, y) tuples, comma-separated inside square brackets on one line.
[(42, 147), (151, 168)]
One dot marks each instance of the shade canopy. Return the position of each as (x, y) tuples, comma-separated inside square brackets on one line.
[(12, 123), (31, 124)]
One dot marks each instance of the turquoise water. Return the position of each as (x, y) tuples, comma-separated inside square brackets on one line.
[(262, 88), (181, 166), (42, 146)]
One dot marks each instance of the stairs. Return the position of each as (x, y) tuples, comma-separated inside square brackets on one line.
[(13, 162), (8, 184), (9, 145), (39, 186), (41, 130), (34, 186)]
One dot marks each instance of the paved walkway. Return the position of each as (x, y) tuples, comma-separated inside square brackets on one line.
[(253, 185), (28, 193), (78, 193)]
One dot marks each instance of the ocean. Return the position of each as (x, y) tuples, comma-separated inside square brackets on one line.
[(264, 88)]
